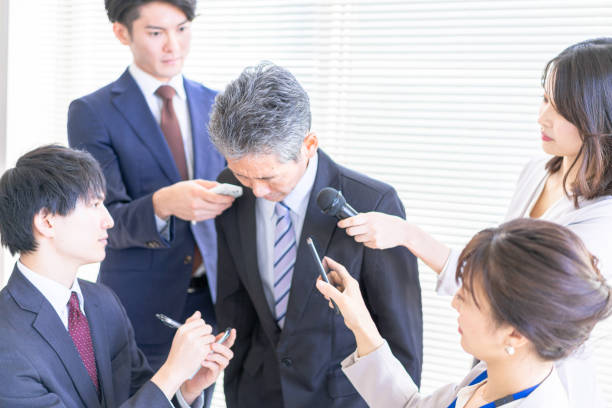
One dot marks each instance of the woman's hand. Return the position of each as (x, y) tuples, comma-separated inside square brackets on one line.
[(345, 292), (381, 231), (376, 230)]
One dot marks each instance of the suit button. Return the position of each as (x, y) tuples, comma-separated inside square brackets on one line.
[(153, 244), (287, 362), (187, 259)]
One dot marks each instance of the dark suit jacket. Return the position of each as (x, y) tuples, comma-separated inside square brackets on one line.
[(149, 274), (41, 367), (300, 365)]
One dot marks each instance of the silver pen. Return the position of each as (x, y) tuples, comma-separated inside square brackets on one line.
[(168, 321), (175, 325)]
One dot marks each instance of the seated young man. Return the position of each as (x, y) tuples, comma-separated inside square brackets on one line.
[(65, 342)]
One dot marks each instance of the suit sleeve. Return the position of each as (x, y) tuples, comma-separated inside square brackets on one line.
[(233, 309), (143, 393), (22, 386), (135, 224), (390, 285)]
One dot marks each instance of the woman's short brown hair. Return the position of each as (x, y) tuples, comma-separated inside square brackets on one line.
[(540, 279), (579, 84)]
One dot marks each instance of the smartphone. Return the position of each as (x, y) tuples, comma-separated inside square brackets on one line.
[(225, 336), (227, 189), (322, 272)]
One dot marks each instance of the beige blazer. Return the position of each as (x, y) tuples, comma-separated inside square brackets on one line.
[(592, 222), (383, 382)]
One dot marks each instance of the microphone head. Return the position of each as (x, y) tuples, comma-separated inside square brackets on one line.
[(330, 201)]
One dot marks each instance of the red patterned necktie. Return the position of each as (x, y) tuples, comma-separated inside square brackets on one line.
[(79, 331), (171, 129)]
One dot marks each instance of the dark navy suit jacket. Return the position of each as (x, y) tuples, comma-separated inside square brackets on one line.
[(149, 274), (41, 367), (300, 365)]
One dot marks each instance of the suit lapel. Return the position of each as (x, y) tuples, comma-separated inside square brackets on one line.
[(97, 326), (48, 324), (199, 132), (248, 239), (130, 102), (321, 228)]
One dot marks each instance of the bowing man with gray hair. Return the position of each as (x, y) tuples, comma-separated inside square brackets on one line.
[(290, 343)]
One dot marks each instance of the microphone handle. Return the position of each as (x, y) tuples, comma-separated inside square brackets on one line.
[(346, 211)]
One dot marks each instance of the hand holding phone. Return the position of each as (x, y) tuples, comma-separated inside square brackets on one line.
[(315, 255), (225, 336)]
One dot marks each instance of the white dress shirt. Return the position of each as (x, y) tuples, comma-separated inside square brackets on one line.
[(265, 220), (55, 293), (148, 85)]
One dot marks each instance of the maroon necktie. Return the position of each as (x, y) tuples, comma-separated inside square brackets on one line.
[(171, 129), (79, 331), (172, 132)]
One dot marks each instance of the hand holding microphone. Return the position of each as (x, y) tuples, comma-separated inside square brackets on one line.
[(374, 229)]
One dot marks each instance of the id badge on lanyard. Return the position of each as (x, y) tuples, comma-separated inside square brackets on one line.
[(501, 401)]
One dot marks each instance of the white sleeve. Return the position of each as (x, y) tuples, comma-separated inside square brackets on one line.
[(446, 284)]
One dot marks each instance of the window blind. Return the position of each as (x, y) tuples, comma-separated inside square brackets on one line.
[(437, 98)]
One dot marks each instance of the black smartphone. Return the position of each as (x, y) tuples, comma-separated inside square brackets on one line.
[(322, 272)]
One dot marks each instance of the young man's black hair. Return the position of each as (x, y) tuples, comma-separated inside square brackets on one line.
[(126, 11), (50, 177)]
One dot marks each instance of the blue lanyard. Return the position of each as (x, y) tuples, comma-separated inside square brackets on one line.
[(501, 401)]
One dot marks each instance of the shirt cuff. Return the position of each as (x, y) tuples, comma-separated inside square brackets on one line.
[(446, 284), (197, 403), (163, 227)]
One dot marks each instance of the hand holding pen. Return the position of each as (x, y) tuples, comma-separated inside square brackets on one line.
[(190, 356), (173, 324)]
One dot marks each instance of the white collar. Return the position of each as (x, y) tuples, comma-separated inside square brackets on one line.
[(57, 294), (148, 85)]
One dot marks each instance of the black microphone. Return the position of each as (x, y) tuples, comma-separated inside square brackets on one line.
[(331, 202)]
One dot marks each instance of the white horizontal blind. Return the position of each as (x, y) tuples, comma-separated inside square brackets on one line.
[(438, 98)]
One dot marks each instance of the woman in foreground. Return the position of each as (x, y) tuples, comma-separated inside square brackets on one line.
[(531, 295)]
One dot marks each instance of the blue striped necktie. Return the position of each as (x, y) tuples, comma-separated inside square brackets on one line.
[(284, 260)]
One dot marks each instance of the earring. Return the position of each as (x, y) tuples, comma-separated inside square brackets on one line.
[(509, 350)]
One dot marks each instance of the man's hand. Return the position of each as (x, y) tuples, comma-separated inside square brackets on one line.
[(190, 346), (376, 230), (215, 362), (190, 200)]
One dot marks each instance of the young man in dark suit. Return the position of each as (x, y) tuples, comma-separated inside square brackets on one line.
[(65, 342), (148, 131), (290, 344)]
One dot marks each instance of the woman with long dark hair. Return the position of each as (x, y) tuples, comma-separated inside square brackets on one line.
[(531, 295)]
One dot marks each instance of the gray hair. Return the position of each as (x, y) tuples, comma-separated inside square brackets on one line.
[(264, 111)]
